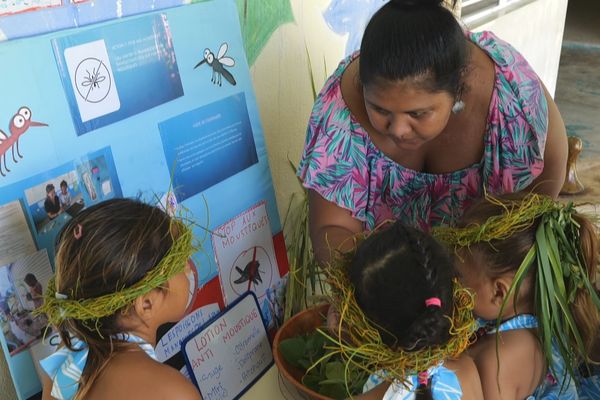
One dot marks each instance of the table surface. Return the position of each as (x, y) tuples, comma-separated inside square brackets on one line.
[(271, 386)]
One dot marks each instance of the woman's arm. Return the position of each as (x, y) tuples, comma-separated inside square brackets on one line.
[(331, 227), (552, 177)]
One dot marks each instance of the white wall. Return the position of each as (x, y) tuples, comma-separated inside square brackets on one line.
[(536, 30)]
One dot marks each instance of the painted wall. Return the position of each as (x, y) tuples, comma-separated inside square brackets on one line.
[(538, 37), (282, 82)]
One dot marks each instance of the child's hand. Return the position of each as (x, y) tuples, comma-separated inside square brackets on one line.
[(333, 325), (333, 320)]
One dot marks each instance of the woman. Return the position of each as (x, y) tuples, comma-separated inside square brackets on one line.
[(423, 121)]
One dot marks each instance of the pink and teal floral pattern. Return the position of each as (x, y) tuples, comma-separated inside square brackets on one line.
[(342, 164)]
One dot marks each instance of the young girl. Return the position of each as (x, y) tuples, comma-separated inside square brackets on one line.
[(530, 262), (405, 318), (121, 272)]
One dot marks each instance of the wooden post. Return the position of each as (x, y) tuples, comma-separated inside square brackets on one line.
[(572, 184)]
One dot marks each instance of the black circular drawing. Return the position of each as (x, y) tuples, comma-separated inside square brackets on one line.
[(252, 270), (92, 80)]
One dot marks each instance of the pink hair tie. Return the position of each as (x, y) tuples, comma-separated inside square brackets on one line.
[(78, 232), (433, 301), (423, 378)]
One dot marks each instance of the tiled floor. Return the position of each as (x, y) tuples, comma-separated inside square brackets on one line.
[(578, 90)]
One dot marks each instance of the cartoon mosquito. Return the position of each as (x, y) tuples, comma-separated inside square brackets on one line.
[(250, 273), (19, 124), (93, 79), (218, 65)]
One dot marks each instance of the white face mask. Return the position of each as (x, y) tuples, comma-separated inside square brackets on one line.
[(192, 277)]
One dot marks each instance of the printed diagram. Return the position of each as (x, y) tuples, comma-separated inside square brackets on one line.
[(252, 270), (92, 80), (19, 124), (218, 65)]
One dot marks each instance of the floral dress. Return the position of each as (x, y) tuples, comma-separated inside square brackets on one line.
[(342, 164)]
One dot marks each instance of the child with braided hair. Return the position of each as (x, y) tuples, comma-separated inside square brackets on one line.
[(404, 318), (531, 262), (122, 270)]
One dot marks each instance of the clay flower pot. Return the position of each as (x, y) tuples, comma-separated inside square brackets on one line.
[(300, 324)]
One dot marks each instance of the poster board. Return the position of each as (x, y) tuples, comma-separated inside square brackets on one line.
[(131, 147), (231, 352)]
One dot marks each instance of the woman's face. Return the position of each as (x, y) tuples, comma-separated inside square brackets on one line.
[(406, 114)]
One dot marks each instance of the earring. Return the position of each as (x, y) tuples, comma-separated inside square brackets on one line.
[(458, 106)]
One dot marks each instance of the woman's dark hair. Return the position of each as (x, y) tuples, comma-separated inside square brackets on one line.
[(393, 272), (120, 240), (408, 39)]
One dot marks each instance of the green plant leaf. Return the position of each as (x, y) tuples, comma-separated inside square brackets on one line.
[(334, 390), (293, 351), (334, 371)]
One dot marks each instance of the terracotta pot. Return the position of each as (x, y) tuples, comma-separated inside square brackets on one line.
[(300, 324)]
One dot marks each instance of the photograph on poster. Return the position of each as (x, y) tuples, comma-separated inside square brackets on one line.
[(117, 70), (55, 201), (58, 197), (8, 7), (208, 145), (245, 255), (21, 291)]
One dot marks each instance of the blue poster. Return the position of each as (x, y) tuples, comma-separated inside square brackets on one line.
[(208, 145), (112, 73)]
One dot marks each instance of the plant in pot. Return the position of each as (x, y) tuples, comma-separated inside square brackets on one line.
[(306, 357)]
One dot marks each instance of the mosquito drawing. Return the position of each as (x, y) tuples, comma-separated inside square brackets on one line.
[(19, 124), (93, 79), (218, 65), (250, 273)]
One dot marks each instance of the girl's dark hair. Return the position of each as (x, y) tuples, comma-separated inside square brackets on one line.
[(414, 39), (121, 240), (500, 257), (393, 272)]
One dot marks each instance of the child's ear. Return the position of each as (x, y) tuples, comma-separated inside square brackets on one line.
[(500, 287), (148, 304)]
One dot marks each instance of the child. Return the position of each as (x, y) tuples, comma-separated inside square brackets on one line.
[(121, 270), (402, 311), (35, 294), (530, 262)]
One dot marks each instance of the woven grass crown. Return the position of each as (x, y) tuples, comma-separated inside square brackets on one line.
[(360, 344), (58, 308)]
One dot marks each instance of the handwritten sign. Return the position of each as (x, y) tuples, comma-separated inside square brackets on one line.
[(227, 355), (170, 343)]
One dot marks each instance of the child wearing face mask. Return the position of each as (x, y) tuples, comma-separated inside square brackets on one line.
[(122, 270)]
